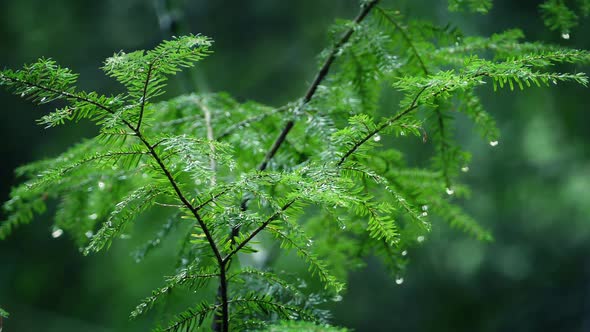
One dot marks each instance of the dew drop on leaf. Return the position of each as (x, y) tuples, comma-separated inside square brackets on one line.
[(101, 185), (93, 216), (565, 35), (465, 169), (377, 138), (420, 238), (337, 298), (424, 214), (404, 253), (424, 207), (399, 280), (450, 191), (89, 234), (57, 233), (493, 143)]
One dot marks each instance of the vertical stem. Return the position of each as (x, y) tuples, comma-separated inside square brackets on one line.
[(221, 317), (224, 301)]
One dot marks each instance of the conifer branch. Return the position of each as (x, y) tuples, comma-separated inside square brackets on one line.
[(262, 226), (320, 76), (179, 161), (405, 36), (438, 112), (148, 77), (58, 92), (181, 196), (66, 95), (386, 124)]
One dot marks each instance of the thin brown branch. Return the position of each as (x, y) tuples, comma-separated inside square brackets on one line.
[(386, 124), (262, 226), (320, 76), (181, 196), (148, 77)]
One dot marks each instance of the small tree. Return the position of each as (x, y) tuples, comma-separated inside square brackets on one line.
[(311, 174)]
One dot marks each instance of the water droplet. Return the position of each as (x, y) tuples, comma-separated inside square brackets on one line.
[(465, 169), (450, 191), (424, 214), (343, 226), (493, 143), (404, 253), (402, 133), (22, 94), (310, 243), (399, 280), (554, 81), (43, 99), (565, 35), (377, 138), (337, 298), (89, 234), (101, 185), (93, 216), (424, 207), (57, 233), (420, 238)]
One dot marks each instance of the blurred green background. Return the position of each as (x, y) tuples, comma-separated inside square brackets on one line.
[(532, 190)]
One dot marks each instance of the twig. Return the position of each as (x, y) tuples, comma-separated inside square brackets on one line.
[(320, 76), (439, 116)]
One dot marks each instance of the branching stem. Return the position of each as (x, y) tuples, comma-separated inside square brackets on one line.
[(320, 76)]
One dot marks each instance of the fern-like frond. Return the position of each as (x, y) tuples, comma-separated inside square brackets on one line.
[(124, 212), (252, 303), (144, 74), (292, 237), (140, 253), (190, 318), (193, 155), (45, 81), (269, 279), (191, 277), (21, 210)]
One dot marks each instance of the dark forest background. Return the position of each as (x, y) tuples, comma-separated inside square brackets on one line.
[(532, 190)]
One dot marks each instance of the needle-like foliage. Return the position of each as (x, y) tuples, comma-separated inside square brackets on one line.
[(239, 182)]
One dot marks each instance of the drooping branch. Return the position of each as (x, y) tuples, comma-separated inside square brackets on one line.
[(413, 106), (439, 116)]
